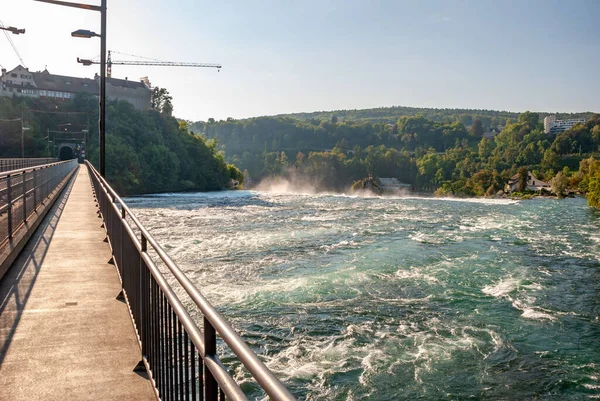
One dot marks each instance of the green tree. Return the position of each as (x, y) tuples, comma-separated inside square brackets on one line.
[(235, 174), (559, 184), (485, 148), (550, 162), (530, 119), (523, 174), (161, 100), (122, 164), (485, 182), (160, 167), (477, 128)]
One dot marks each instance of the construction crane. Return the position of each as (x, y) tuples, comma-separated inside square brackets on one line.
[(157, 63)]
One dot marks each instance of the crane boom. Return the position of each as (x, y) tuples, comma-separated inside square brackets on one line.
[(156, 63), (166, 64)]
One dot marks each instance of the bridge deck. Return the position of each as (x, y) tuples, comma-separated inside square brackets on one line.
[(63, 335)]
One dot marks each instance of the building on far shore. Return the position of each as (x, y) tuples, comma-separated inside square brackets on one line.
[(491, 133), (554, 126), (21, 82), (533, 183), (393, 185)]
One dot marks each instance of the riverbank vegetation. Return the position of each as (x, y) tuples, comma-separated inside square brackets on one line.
[(146, 152), (442, 155)]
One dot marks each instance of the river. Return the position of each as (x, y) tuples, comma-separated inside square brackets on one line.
[(408, 298)]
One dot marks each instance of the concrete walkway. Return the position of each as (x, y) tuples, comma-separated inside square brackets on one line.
[(63, 334)]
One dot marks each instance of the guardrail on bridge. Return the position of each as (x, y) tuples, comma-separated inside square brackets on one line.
[(22, 191), (181, 359), (19, 163)]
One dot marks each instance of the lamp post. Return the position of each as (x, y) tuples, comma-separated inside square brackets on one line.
[(82, 33), (23, 141)]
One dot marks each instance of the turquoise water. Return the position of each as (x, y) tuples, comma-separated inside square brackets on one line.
[(349, 298)]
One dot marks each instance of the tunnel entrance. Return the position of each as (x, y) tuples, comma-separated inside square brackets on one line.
[(66, 153)]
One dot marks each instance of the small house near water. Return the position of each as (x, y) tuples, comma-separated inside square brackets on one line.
[(533, 183)]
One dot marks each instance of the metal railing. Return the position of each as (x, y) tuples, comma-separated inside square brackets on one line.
[(23, 191), (15, 164), (181, 359)]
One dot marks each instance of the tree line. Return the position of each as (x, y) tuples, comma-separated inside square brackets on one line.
[(489, 118), (449, 157)]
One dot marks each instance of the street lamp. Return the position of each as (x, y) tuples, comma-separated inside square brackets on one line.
[(83, 33), (13, 30), (85, 62)]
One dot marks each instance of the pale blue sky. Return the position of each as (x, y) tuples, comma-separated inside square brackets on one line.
[(292, 56)]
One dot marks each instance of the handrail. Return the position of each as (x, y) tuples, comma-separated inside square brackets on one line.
[(116, 213), (23, 190), (19, 163), (3, 174)]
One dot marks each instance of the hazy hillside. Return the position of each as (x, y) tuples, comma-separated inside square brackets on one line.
[(391, 114)]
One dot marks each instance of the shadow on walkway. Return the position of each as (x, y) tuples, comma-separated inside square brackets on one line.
[(16, 285)]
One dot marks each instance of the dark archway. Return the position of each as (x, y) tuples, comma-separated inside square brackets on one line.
[(66, 153)]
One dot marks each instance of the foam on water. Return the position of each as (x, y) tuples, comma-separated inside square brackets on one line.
[(502, 288)]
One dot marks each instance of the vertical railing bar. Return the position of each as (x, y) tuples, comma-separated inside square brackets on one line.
[(24, 184), (145, 301), (157, 338), (170, 350), (35, 205), (166, 365), (9, 202), (176, 373), (143, 317), (151, 325), (210, 348), (147, 319), (165, 359), (156, 351), (140, 296), (201, 385), (161, 342), (193, 371), (180, 360), (186, 342)]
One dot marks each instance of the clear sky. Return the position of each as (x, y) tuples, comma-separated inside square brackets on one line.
[(285, 56)]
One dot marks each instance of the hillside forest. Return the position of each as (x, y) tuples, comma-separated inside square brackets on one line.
[(146, 152)]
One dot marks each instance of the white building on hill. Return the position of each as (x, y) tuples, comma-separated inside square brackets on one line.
[(553, 126), (491, 133)]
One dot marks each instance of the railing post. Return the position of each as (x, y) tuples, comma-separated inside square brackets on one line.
[(24, 183), (211, 389), (35, 205), (9, 203), (143, 293)]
